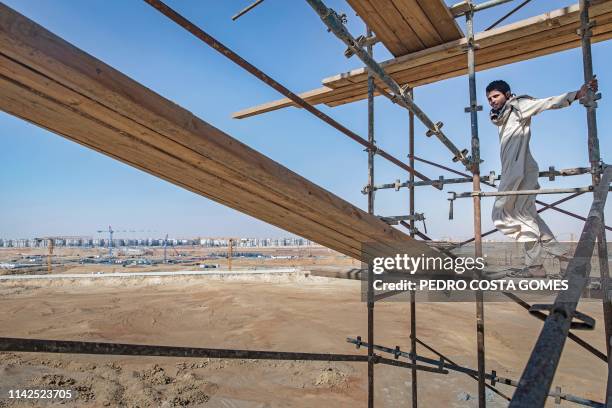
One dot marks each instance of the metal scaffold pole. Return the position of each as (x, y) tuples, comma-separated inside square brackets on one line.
[(473, 109), (413, 337), (589, 102), (237, 59), (539, 372), (371, 192)]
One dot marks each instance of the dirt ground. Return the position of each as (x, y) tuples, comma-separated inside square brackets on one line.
[(298, 314)]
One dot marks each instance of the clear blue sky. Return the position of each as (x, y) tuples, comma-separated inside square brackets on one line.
[(53, 186)]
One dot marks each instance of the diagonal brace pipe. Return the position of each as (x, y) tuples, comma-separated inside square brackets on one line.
[(335, 25), (265, 78)]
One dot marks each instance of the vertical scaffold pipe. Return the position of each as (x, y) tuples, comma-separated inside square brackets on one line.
[(473, 109), (370, 291), (594, 157), (413, 338), (589, 100)]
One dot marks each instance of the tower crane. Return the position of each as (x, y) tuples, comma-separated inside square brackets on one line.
[(51, 245), (230, 250), (111, 231), (110, 240), (165, 249)]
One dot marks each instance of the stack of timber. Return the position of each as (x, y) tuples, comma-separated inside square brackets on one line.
[(51, 83), (534, 37), (406, 26)]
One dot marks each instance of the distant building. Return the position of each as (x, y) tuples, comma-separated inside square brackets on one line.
[(246, 242)]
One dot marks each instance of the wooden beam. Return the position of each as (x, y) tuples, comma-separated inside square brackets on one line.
[(515, 33), (51, 83), (542, 44), (405, 26), (549, 33)]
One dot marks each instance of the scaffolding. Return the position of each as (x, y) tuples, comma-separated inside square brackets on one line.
[(535, 384)]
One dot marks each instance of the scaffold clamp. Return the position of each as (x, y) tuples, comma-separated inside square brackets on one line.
[(432, 132), (397, 184), (551, 173), (473, 108), (464, 153), (492, 177), (439, 183), (451, 200), (587, 30), (584, 321), (371, 149)]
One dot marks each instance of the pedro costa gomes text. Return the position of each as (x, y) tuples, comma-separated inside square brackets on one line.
[(486, 285)]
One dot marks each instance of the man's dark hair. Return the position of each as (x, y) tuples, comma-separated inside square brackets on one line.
[(499, 85)]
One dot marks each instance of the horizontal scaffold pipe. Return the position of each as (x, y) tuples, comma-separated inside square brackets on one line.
[(525, 192), (126, 349), (493, 377), (440, 181)]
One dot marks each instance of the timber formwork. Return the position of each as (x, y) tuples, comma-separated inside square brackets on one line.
[(54, 85)]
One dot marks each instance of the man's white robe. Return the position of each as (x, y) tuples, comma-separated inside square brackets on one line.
[(516, 215)]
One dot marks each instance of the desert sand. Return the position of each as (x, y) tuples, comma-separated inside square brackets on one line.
[(308, 314)]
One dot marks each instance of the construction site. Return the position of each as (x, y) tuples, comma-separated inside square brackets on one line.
[(244, 322)]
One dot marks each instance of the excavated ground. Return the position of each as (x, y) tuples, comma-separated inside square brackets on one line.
[(286, 314)]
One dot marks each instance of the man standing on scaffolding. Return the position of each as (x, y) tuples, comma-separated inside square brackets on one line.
[(516, 215)]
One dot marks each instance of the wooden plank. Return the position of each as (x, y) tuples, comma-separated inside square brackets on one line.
[(511, 41), (405, 26), (51, 83), (21, 99), (485, 59), (383, 31), (416, 18), (442, 20), (508, 51), (488, 65), (393, 18), (280, 103), (511, 32)]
